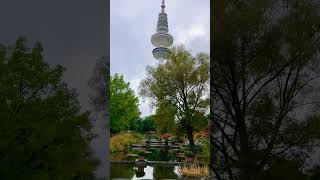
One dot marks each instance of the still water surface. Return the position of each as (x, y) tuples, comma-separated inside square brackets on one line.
[(157, 172)]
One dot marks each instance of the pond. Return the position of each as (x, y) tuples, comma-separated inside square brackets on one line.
[(154, 155), (122, 171), (124, 168), (156, 172)]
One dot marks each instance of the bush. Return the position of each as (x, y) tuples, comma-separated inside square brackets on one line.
[(122, 141), (188, 154), (205, 150)]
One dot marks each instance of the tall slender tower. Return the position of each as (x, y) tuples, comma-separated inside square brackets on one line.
[(161, 39)]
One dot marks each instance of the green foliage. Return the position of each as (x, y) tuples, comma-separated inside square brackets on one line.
[(148, 124), (141, 153), (178, 89), (164, 118), (43, 135), (264, 88), (205, 149), (143, 124), (122, 141), (123, 105), (188, 153), (135, 125)]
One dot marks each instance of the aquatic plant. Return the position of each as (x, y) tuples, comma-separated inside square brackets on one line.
[(194, 170)]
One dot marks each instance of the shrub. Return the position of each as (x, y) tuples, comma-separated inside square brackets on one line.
[(188, 154), (122, 141), (206, 148)]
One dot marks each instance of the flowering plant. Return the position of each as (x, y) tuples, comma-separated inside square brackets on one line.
[(166, 136)]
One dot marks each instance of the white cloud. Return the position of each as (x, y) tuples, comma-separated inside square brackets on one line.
[(134, 84), (189, 34)]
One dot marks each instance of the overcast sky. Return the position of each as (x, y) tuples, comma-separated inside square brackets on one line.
[(133, 22), (73, 33)]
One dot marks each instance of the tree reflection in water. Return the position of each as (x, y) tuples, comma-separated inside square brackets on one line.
[(121, 171), (129, 171), (140, 171), (164, 172)]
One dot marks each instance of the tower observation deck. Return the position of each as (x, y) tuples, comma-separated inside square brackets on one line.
[(161, 39)]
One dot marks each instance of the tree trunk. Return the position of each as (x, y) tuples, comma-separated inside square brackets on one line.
[(190, 136), (248, 167)]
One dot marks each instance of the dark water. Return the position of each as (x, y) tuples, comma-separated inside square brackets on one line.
[(157, 172), (156, 155), (160, 155)]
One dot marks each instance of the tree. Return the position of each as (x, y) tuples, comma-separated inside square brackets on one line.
[(136, 125), (43, 135), (124, 109), (123, 104), (148, 124), (182, 82), (263, 87), (164, 118), (143, 124), (98, 83)]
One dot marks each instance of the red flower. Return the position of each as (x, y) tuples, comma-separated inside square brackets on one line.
[(166, 136)]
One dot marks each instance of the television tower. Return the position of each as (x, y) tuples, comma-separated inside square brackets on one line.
[(161, 39)]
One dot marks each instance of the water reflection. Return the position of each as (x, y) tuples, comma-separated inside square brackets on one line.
[(148, 172), (161, 155), (121, 171), (165, 172), (143, 173)]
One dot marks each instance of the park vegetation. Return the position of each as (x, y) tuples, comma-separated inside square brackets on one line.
[(123, 105), (194, 170), (265, 89), (179, 91), (122, 141), (43, 134)]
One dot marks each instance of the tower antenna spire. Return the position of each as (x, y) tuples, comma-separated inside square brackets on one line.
[(163, 5)]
